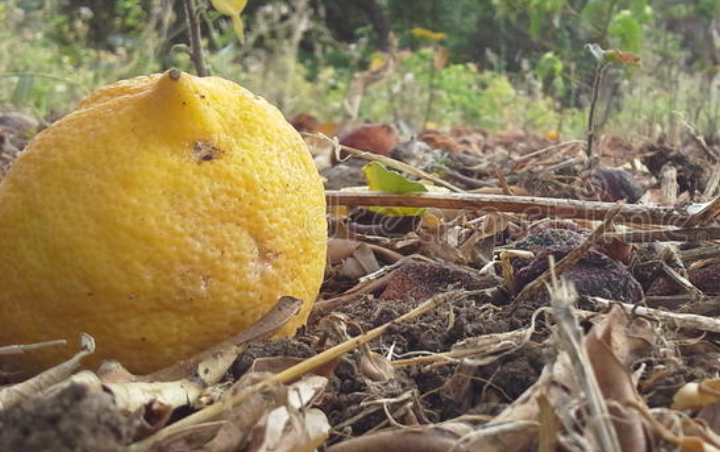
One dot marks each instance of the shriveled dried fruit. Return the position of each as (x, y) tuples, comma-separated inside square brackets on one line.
[(594, 275)]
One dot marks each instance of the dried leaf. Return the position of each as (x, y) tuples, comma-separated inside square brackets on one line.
[(693, 396), (340, 249), (361, 263), (375, 366)]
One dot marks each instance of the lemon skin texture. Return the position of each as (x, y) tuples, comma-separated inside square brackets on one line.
[(165, 214)]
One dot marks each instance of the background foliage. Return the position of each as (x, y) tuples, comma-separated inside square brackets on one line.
[(512, 64)]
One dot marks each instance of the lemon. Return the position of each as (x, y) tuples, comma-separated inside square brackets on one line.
[(165, 214)]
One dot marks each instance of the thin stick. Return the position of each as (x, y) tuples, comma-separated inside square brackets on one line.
[(668, 235), (563, 298), (530, 205), (599, 73), (684, 321), (19, 349), (196, 51), (387, 161), (552, 147)]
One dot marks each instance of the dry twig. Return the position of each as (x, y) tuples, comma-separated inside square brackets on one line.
[(529, 205), (563, 297)]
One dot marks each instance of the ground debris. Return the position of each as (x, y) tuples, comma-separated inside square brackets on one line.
[(73, 420)]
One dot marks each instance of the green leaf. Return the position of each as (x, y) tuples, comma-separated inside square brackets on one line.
[(627, 30), (382, 179)]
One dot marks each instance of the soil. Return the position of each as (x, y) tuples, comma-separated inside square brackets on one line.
[(286, 347), (436, 331), (73, 420)]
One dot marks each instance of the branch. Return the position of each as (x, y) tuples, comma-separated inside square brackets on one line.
[(196, 52), (529, 205)]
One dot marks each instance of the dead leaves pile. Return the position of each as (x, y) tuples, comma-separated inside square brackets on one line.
[(420, 342)]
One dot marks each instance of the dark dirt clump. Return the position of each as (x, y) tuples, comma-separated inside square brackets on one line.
[(286, 347), (543, 238), (436, 387), (73, 420), (615, 185), (691, 175), (451, 391), (435, 331), (594, 275), (348, 400), (538, 240), (514, 373), (422, 280)]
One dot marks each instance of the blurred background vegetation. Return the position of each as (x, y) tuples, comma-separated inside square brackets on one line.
[(495, 64)]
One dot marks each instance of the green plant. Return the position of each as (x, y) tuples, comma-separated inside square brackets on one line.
[(44, 75)]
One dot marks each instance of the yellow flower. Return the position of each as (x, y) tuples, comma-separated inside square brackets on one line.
[(377, 60), (552, 135), (430, 35)]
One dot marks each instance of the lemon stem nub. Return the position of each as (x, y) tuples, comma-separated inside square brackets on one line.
[(174, 74)]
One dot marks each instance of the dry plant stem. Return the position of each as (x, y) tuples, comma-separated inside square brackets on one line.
[(387, 161), (599, 73), (684, 321), (529, 205), (705, 252), (193, 25), (503, 183), (496, 344), (568, 261), (700, 140), (294, 372), (683, 282), (668, 235), (669, 185), (563, 297), (19, 349), (553, 147), (12, 395), (711, 188), (707, 214)]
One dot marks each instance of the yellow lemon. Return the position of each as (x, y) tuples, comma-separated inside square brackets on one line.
[(165, 214)]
